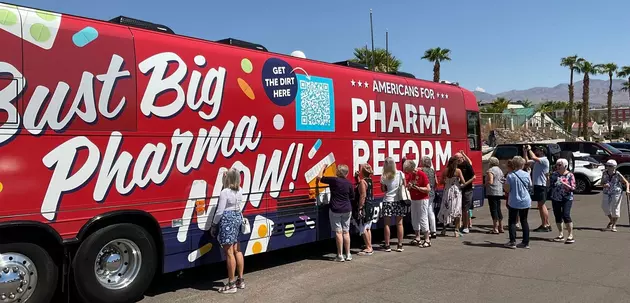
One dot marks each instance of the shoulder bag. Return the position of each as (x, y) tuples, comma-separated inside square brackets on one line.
[(403, 192), (245, 228), (529, 186)]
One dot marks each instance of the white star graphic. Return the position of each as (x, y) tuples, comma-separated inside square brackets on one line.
[(442, 96), (352, 82), (360, 84), (366, 84), (446, 96)]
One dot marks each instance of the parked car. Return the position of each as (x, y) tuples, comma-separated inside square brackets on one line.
[(505, 152), (601, 152), (620, 145), (588, 173)]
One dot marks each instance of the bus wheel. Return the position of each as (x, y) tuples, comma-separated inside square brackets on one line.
[(27, 273), (115, 264)]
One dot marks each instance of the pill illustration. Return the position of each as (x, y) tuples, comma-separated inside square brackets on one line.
[(249, 92), (40, 32), (196, 254), (1, 187), (314, 149), (288, 230), (46, 16), (7, 17), (84, 36), (246, 65)]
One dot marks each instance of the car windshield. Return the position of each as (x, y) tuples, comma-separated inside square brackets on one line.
[(611, 149)]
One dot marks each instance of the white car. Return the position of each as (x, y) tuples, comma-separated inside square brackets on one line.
[(588, 173)]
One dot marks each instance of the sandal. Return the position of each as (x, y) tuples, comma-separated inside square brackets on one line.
[(425, 244), (366, 253), (493, 232), (228, 288), (414, 242), (240, 283), (558, 239)]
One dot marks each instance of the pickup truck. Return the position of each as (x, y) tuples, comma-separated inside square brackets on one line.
[(601, 152)]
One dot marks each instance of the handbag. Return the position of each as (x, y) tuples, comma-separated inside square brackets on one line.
[(245, 228), (403, 192)]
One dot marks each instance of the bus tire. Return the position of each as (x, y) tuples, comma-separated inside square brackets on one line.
[(34, 267), (115, 264)]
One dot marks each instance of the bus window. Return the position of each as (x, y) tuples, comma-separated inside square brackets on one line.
[(473, 130)]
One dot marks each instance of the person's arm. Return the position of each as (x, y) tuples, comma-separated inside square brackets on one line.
[(362, 194), (458, 174), (466, 157), (424, 179), (490, 177), (625, 182), (220, 207), (570, 185), (506, 185)]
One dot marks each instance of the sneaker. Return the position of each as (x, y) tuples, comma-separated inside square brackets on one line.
[(349, 257), (240, 283), (540, 229), (465, 231), (614, 228), (387, 248), (511, 245), (433, 235), (400, 248), (569, 241), (608, 227), (523, 245), (340, 258), (229, 288)]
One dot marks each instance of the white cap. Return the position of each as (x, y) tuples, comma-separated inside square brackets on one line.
[(611, 162), (299, 54)]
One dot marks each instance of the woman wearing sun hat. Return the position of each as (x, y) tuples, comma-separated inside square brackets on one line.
[(613, 183)]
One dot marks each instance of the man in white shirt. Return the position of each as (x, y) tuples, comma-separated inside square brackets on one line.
[(540, 173)]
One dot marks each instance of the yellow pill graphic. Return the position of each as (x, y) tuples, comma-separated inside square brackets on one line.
[(246, 65), (1, 187), (205, 249), (288, 230), (257, 248), (249, 92), (7, 18), (40, 32), (46, 16), (262, 231)]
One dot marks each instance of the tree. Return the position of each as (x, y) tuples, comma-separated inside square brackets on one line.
[(497, 106), (624, 72), (578, 106), (383, 61), (437, 55), (570, 62), (526, 103), (610, 69), (588, 69)]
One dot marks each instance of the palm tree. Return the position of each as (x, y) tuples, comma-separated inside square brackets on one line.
[(610, 69), (624, 72), (578, 106), (526, 103), (570, 62), (625, 87), (437, 55), (383, 61), (588, 69)]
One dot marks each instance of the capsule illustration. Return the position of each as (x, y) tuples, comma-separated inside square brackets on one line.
[(314, 149)]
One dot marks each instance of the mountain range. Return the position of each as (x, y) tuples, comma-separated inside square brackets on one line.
[(598, 93)]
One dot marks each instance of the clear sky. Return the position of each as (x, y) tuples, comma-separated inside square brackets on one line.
[(496, 45)]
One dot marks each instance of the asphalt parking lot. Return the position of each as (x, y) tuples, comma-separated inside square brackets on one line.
[(474, 268)]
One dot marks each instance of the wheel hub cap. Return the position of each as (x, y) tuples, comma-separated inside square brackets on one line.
[(117, 264), (18, 277)]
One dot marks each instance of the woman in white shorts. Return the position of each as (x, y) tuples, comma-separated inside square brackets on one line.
[(613, 183)]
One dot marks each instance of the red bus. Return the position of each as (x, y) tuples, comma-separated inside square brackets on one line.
[(113, 134)]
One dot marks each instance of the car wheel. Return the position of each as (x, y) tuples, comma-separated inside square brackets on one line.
[(115, 264), (582, 185)]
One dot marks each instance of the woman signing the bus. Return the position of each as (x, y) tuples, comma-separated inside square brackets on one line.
[(341, 196), (614, 184), (363, 215), (451, 209), (227, 225), (391, 180)]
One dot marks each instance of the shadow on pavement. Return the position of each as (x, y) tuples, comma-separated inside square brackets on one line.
[(484, 244)]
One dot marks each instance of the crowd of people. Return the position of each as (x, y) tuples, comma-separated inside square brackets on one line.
[(412, 190)]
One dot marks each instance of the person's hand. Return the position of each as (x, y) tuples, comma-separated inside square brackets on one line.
[(606, 186), (214, 231), (474, 178)]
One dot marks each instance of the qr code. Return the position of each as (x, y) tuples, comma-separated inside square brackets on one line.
[(315, 108)]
